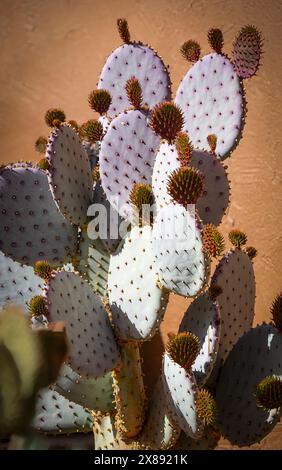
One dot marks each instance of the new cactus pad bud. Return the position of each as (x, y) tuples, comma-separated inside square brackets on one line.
[(247, 50), (41, 144), (91, 130), (37, 306), (183, 349), (123, 30), (251, 251), (43, 164), (96, 173), (134, 92), (141, 194), (184, 148), (185, 185), (269, 393), (237, 238), (191, 51), (43, 269), (73, 124), (276, 312), (167, 120), (142, 197), (215, 38), (213, 241), (57, 123), (54, 116), (100, 101), (214, 291), (212, 141), (206, 407)]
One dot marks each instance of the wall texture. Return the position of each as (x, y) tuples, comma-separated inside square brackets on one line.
[(53, 50)]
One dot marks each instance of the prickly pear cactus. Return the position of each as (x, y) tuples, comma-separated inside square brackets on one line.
[(134, 59), (120, 213), (127, 157), (203, 319)]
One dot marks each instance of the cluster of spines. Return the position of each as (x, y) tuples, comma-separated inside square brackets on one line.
[(134, 92), (213, 240), (54, 117), (123, 30), (185, 185), (92, 130), (37, 306), (184, 148), (183, 349), (100, 101), (269, 393), (167, 120), (206, 407), (237, 238), (191, 51), (215, 38)]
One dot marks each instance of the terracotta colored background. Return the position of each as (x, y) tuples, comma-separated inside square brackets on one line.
[(51, 53)]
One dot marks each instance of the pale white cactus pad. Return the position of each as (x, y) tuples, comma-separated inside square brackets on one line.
[(211, 97), (18, 283), (235, 275), (166, 162), (177, 244), (181, 394), (55, 414), (127, 157), (141, 61), (214, 201), (256, 355), (203, 319), (137, 302), (159, 431), (70, 173), (93, 349)]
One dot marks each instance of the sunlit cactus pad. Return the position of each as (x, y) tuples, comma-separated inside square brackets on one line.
[(127, 157), (203, 319), (211, 98), (181, 393), (178, 251), (137, 311), (144, 63)]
